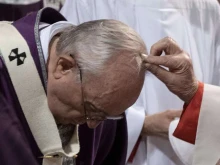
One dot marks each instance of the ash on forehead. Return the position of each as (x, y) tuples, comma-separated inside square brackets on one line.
[(139, 58)]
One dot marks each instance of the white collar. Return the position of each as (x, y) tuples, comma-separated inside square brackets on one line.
[(46, 34)]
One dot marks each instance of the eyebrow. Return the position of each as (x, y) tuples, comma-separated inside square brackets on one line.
[(95, 109)]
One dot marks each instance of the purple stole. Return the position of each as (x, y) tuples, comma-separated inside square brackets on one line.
[(105, 145)]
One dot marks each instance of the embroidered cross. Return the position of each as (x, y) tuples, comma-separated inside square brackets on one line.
[(15, 55)]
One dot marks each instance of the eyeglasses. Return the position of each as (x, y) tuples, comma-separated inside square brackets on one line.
[(93, 108)]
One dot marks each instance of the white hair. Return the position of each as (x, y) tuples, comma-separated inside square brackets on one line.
[(93, 43)]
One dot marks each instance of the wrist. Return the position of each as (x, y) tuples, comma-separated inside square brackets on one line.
[(149, 128), (192, 92), (145, 129)]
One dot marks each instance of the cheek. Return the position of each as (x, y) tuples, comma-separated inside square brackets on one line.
[(70, 94), (75, 117), (64, 95)]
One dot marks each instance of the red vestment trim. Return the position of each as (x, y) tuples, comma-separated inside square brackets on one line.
[(187, 127)]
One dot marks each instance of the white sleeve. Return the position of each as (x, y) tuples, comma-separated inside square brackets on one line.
[(207, 137), (206, 148), (184, 150)]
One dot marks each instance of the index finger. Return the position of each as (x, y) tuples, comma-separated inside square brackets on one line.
[(168, 45), (167, 61)]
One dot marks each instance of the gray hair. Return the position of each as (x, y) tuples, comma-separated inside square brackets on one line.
[(93, 43)]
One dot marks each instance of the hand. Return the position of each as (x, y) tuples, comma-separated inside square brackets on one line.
[(158, 124), (179, 78)]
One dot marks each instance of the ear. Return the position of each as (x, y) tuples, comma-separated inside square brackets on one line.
[(65, 65)]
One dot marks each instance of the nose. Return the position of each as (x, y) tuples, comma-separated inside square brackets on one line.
[(93, 124)]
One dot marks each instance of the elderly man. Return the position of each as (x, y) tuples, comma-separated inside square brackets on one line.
[(192, 24), (200, 121), (54, 73)]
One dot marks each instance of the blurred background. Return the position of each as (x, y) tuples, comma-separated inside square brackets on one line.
[(11, 10)]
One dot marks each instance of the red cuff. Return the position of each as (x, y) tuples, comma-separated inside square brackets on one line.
[(133, 153), (187, 127)]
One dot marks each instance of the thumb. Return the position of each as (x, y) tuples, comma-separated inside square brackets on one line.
[(175, 113)]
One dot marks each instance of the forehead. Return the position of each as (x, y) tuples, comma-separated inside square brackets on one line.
[(116, 88)]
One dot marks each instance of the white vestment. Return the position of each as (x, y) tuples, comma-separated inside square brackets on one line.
[(207, 145), (192, 23)]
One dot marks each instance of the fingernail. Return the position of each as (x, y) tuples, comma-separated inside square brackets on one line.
[(144, 56)]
